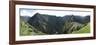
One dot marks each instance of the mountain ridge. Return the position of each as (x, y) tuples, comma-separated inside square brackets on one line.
[(54, 25)]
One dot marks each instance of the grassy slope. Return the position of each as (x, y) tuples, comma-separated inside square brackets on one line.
[(70, 27), (85, 29), (26, 29)]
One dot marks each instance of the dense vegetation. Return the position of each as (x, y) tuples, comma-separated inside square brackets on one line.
[(41, 24)]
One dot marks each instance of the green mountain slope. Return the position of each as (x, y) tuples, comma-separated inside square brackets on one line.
[(55, 25), (85, 29), (27, 29), (40, 24), (71, 26)]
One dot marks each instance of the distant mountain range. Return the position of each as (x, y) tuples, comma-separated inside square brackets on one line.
[(48, 24)]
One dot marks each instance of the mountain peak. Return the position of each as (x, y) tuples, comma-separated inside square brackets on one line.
[(37, 13)]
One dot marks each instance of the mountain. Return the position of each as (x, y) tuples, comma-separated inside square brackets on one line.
[(87, 19), (49, 24), (44, 23), (85, 29), (26, 29), (25, 18)]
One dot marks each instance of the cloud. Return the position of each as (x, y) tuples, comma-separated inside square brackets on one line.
[(26, 12)]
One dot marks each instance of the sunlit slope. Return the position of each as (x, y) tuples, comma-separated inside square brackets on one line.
[(85, 29), (27, 29)]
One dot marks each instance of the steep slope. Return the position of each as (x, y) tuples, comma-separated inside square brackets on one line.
[(27, 29), (70, 27), (85, 29), (49, 24), (24, 28), (44, 23)]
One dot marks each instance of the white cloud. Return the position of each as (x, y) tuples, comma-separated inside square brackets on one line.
[(52, 12)]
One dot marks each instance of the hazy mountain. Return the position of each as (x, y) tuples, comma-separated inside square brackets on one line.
[(25, 18)]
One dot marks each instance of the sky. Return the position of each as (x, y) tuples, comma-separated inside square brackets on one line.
[(31, 12)]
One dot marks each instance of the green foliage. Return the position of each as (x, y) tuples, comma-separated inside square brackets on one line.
[(26, 29), (70, 27), (85, 29), (41, 24)]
